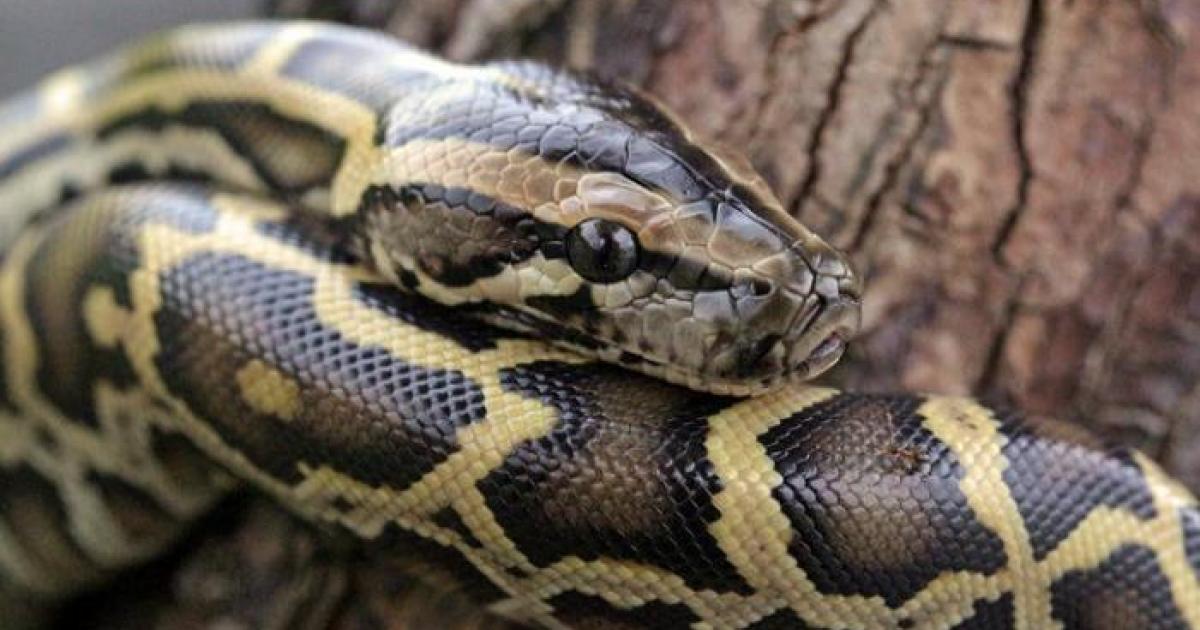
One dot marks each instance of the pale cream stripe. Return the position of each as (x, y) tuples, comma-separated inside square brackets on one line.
[(107, 449), (970, 431), (171, 91), (1169, 499), (753, 530), (282, 45)]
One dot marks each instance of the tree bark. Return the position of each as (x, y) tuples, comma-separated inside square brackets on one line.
[(1016, 178)]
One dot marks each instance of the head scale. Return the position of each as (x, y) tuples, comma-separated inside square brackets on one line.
[(585, 213)]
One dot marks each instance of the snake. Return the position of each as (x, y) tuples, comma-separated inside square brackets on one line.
[(513, 322)]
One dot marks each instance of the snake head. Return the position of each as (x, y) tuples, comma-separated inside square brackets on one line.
[(588, 215)]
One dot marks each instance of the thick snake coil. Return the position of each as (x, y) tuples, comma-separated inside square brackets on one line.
[(202, 240)]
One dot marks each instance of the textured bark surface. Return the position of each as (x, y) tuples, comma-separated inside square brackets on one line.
[(1017, 178)]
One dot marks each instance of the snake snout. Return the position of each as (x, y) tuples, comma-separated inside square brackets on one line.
[(818, 334)]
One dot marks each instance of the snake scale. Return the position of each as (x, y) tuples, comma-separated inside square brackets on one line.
[(228, 252)]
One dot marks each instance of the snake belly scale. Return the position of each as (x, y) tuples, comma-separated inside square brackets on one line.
[(203, 235)]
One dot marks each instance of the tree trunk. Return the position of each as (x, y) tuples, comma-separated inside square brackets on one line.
[(1016, 178)]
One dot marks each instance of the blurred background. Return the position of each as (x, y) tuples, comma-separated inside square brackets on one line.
[(37, 36)]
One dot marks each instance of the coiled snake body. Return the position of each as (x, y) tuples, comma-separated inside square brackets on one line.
[(203, 238)]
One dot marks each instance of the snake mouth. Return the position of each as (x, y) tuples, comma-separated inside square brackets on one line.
[(825, 355), (824, 340)]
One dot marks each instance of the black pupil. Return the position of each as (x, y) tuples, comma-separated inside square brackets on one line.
[(602, 251)]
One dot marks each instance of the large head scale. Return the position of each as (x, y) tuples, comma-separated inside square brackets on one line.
[(587, 214)]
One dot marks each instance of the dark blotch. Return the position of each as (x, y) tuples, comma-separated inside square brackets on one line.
[(990, 615), (588, 612), (879, 494), (623, 474), (1128, 590), (1058, 476)]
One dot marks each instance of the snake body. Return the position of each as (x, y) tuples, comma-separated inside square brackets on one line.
[(203, 235)]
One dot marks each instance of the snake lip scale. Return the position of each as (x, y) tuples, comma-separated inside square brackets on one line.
[(514, 323)]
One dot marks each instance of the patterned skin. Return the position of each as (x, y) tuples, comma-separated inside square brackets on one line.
[(165, 343)]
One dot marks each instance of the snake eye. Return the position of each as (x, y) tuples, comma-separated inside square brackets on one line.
[(602, 251)]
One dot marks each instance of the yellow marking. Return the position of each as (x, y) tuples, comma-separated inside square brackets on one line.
[(1169, 499), (103, 317), (88, 164), (950, 598), (118, 447), (970, 432), (250, 208), (268, 61), (753, 531), (269, 391), (171, 91)]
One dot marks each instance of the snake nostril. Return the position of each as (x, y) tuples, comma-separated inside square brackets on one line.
[(761, 288)]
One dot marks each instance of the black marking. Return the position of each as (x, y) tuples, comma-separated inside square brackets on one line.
[(101, 249), (361, 410), (1057, 482), (139, 514), (408, 280), (447, 517), (783, 619), (68, 192), (684, 274), (235, 46), (362, 66), (857, 469), (565, 307), (6, 402), (990, 615), (32, 509), (456, 236), (185, 464), (545, 329), (572, 492), (83, 251), (436, 564), (330, 239), (132, 172), (1190, 517), (420, 312), (1128, 590), (128, 172), (578, 610), (33, 152), (750, 355), (256, 132)]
